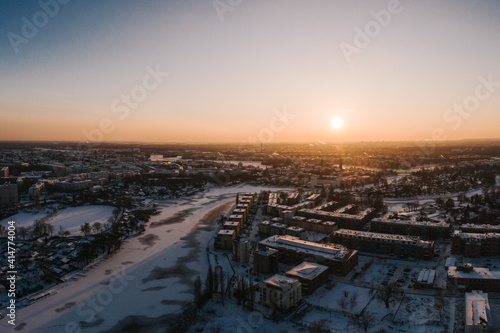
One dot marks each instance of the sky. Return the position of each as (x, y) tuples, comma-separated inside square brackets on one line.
[(249, 70)]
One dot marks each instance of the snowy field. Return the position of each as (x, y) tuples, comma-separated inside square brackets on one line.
[(231, 318), (495, 312), (139, 287), (69, 218), (357, 298), (376, 274)]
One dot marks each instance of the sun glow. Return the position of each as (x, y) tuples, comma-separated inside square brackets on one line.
[(337, 122)]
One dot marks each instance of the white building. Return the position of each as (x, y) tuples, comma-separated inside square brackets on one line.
[(281, 291), (477, 312)]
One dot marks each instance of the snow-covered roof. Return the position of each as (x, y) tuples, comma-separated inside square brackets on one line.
[(441, 224), (376, 235), (225, 232), (334, 215), (280, 281), (426, 276), (488, 227), (476, 236), (476, 273), (450, 262), (307, 270), (329, 251), (477, 308)]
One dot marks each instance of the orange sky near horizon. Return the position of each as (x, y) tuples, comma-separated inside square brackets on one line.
[(98, 71)]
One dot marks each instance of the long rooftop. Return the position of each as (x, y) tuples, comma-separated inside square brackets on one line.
[(329, 251)]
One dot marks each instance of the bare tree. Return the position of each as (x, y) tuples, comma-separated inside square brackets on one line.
[(440, 303), (389, 293), (353, 301), (319, 326), (209, 283), (97, 227), (364, 320), (50, 229), (85, 228), (197, 292), (343, 303), (62, 232)]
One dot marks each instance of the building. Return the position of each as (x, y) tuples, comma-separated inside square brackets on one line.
[(311, 275), (292, 250), (241, 212), (423, 229), (241, 250), (467, 277), (236, 218), (8, 194), (264, 228), (477, 312), (387, 244), (35, 191), (315, 225), (265, 261), (425, 279), (343, 220), (295, 232), (232, 226), (247, 197), (278, 229), (316, 198), (475, 245), (280, 292), (480, 228), (224, 239)]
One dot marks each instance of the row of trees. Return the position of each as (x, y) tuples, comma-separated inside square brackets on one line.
[(216, 284)]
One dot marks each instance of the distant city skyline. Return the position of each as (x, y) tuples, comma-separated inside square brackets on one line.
[(249, 71)]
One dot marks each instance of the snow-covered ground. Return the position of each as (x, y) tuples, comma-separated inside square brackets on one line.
[(399, 204), (24, 219), (150, 278), (69, 218), (357, 298)]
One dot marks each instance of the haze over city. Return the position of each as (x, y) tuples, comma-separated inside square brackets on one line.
[(230, 65)]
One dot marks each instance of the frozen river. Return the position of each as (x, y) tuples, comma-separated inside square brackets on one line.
[(139, 287)]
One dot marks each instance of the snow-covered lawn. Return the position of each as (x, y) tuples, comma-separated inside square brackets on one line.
[(69, 218), (330, 298), (376, 274), (230, 317), (72, 218), (495, 312), (24, 219)]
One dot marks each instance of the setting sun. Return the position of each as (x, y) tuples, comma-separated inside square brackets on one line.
[(337, 122)]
